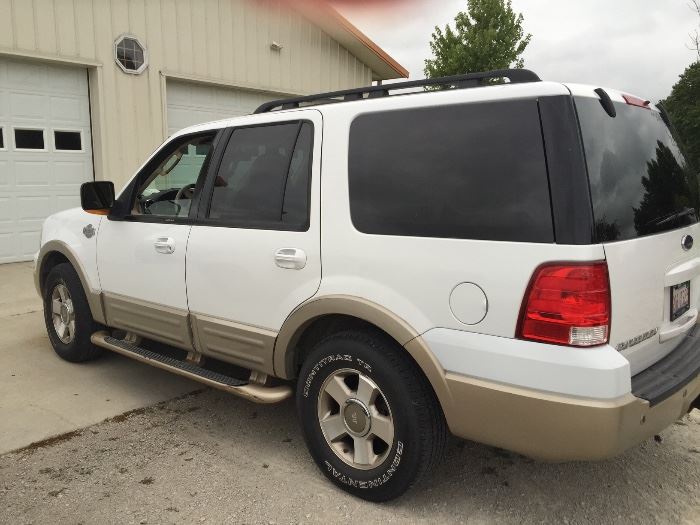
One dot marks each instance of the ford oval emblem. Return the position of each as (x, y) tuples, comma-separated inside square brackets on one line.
[(687, 242)]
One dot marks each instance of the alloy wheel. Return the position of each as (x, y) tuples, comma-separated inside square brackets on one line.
[(63, 314), (355, 419)]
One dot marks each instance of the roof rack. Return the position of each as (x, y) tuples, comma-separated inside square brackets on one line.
[(516, 76)]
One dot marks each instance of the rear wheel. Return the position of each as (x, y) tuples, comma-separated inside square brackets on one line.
[(369, 417), (67, 315)]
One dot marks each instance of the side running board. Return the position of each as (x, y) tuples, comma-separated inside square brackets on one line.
[(253, 392)]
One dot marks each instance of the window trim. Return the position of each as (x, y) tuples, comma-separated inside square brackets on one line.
[(29, 128), (68, 130), (116, 43), (208, 190), (125, 201)]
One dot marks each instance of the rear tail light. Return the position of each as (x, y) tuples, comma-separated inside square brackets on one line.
[(567, 304)]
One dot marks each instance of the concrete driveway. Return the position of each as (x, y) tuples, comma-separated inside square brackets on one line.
[(43, 396), (204, 456)]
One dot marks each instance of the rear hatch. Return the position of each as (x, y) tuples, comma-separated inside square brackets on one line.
[(646, 202)]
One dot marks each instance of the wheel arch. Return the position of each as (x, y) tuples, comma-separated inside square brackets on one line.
[(339, 312), (56, 252)]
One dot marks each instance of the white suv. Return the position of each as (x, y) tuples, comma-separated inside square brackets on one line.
[(510, 261)]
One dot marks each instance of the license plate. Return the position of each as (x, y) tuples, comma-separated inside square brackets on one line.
[(680, 299)]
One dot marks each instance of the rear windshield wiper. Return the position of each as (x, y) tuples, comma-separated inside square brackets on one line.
[(685, 212)]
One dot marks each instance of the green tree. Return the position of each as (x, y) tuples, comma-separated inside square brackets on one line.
[(695, 35), (488, 36), (683, 105)]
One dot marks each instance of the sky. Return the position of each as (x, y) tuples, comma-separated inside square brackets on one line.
[(637, 46)]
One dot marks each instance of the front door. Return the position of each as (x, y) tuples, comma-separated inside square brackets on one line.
[(141, 259), (254, 254)]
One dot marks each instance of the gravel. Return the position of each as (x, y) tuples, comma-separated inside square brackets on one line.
[(212, 458)]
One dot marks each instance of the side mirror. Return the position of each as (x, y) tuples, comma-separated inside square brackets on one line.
[(97, 197)]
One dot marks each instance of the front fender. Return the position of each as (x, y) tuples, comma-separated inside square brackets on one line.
[(63, 234)]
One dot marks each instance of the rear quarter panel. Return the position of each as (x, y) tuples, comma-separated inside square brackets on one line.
[(414, 276)]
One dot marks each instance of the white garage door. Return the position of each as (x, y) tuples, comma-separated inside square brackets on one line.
[(45, 149), (190, 103)]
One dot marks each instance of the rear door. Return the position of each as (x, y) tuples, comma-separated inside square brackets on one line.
[(645, 202), (254, 253)]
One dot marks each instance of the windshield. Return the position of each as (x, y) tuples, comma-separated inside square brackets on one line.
[(640, 181)]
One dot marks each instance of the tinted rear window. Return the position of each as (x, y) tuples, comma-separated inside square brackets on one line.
[(472, 171), (640, 182)]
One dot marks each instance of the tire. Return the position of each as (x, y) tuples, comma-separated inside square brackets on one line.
[(63, 284), (401, 394)]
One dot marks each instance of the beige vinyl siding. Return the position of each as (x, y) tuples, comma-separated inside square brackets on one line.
[(224, 42)]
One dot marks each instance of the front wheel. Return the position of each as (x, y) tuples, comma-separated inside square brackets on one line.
[(369, 417), (69, 322)]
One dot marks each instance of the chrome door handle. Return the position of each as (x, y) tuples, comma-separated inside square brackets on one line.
[(165, 245), (290, 258)]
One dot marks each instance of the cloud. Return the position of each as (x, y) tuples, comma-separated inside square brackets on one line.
[(638, 46)]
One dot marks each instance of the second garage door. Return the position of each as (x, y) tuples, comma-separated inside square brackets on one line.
[(190, 103)]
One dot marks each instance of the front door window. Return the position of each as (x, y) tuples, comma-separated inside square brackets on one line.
[(167, 190)]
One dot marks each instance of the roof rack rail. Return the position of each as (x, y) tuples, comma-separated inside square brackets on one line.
[(516, 76)]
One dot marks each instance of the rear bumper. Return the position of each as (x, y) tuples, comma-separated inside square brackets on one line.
[(555, 426), (558, 428), (664, 378)]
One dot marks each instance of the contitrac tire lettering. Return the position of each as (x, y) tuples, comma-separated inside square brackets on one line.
[(323, 362), (373, 483)]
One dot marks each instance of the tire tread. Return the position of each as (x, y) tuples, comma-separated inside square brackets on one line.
[(434, 435), (81, 348)]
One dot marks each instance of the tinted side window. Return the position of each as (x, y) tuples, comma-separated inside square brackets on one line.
[(471, 171), (295, 206), (263, 180)]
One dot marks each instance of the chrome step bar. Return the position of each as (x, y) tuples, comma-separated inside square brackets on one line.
[(251, 391)]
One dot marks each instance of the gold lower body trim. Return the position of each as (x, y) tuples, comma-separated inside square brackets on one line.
[(553, 427), (150, 320), (243, 345)]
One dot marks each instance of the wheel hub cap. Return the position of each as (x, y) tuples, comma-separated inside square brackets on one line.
[(357, 417)]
